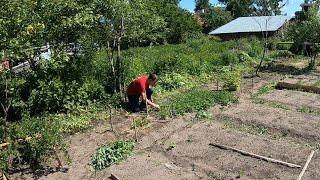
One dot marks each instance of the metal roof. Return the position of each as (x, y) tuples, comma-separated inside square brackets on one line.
[(252, 24)]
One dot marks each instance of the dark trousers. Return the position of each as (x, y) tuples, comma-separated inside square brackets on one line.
[(135, 104)]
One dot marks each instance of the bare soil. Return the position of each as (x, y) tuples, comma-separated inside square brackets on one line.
[(179, 148), (294, 98)]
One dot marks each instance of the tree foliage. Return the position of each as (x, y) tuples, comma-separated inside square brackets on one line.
[(307, 32), (179, 22), (201, 4), (253, 7), (215, 17)]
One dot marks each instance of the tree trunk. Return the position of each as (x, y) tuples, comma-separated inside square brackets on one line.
[(265, 36), (119, 79), (5, 106)]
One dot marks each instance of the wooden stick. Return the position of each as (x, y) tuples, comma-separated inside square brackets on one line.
[(147, 108), (110, 118), (57, 158), (135, 130), (306, 165), (256, 156), (114, 177)]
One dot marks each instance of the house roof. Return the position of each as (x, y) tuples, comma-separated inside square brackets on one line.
[(252, 24)]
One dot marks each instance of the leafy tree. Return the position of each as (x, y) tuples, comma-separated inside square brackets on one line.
[(238, 8), (201, 4), (215, 17), (253, 7), (179, 22), (268, 8), (307, 33)]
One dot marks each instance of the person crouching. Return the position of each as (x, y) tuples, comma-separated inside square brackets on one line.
[(140, 88)]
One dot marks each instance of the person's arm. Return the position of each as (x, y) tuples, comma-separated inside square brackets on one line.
[(145, 99)]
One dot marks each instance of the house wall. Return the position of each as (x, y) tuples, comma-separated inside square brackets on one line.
[(231, 36)]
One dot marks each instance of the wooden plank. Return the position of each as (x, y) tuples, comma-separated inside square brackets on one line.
[(299, 87), (306, 165), (256, 156)]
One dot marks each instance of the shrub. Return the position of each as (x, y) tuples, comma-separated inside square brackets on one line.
[(172, 81), (111, 153), (229, 58), (281, 54), (232, 80), (45, 136)]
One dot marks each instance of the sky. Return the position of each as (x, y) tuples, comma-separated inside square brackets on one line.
[(291, 7)]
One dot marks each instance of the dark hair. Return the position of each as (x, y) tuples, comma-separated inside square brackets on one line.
[(153, 76)]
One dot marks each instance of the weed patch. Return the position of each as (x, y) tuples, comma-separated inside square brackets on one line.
[(309, 110), (265, 90), (271, 104), (250, 129), (195, 101), (140, 122), (112, 153)]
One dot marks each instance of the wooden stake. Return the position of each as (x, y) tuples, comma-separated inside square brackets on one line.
[(110, 118), (306, 165), (135, 130), (57, 158), (256, 156)]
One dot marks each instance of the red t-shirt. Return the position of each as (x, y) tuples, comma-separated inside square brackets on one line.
[(138, 86)]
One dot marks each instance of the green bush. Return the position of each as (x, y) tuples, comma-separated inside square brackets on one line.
[(172, 81), (229, 58), (281, 54), (45, 136), (231, 80), (111, 153)]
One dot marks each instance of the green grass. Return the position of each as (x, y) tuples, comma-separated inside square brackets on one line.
[(140, 122), (264, 90), (317, 83), (271, 104), (250, 129), (309, 110), (111, 153)]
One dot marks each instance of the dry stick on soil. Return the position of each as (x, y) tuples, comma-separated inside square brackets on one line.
[(114, 177), (306, 165), (135, 130), (255, 155), (110, 118)]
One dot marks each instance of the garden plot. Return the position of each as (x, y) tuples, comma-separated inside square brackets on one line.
[(297, 99), (184, 153), (280, 120), (310, 79)]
